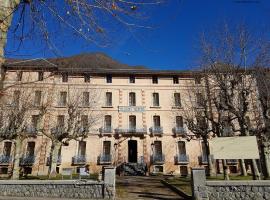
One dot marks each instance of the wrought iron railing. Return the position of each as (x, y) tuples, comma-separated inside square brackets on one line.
[(131, 130), (156, 129), (58, 162), (106, 129), (78, 160), (181, 159), (179, 130), (105, 159), (58, 129), (30, 129), (27, 160), (203, 159), (5, 160), (158, 159)]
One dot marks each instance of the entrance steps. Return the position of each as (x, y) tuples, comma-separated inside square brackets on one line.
[(132, 169)]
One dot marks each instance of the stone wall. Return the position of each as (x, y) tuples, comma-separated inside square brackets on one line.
[(233, 190), (64, 189)]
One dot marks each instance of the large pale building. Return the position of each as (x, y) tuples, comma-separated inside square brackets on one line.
[(136, 116)]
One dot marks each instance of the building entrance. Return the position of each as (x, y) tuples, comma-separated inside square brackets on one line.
[(132, 151)]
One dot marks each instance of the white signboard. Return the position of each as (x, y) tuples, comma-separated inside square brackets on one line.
[(131, 108), (242, 147)]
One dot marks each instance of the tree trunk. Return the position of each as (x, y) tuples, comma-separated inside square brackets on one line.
[(255, 170), (209, 160), (225, 170), (266, 157), (53, 158), (243, 167), (16, 161)]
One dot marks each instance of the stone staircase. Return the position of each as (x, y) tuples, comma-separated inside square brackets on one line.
[(133, 169)]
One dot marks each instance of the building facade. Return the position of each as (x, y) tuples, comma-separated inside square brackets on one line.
[(136, 118)]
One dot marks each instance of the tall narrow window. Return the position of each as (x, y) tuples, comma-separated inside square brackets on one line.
[(19, 75), (86, 99), (199, 99), (35, 119), (156, 120), (175, 80), (197, 80), (157, 148), (30, 151), (154, 79), (16, 97), (87, 78), (109, 78), (63, 99), (155, 99), (7, 149), (132, 99), (132, 122), (108, 99), (65, 77), (107, 147), (40, 76), (82, 148), (177, 99), (84, 119), (179, 121), (37, 99), (131, 79), (60, 120), (108, 122), (182, 147)]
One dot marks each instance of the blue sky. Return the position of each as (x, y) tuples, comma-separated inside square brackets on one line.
[(172, 43)]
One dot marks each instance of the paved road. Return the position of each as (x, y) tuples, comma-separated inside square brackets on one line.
[(131, 188)]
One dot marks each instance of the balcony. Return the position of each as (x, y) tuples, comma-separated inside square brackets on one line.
[(31, 130), (106, 130), (156, 130), (58, 162), (5, 160), (203, 159), (131, 131), (158, 159), (232, 161), (181, 159), (104, 159), (27, 160), (179, 131), (58, 130), (79, 160)]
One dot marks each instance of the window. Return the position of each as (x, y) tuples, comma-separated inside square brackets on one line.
[(131, 79), (60, 120), (156, 120), (175, 80), (107, 147), (86, 99), (16, 97), (84, 119), (197, 80), (7, 149), (155, 99), (19, 75), (87, 78), (177, 99), (108, 122), (35, 119), (179, 121), (109, 78), (63, 99), (37, 99), (40, 76), (132, 99), (65, 77), (182, 148), (132, 122), (199, 99), (155, 80), (157, 148), (108, 99), (30, 151), (82, 148)]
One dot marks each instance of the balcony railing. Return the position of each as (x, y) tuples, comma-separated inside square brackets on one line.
[(79, 160), (158, 159), (58, 130), (27, 160), (181, 159), (156, 130), (5, 160), (179, 131), (232, 161), (104, 159), (30, 129), (131, 131), (58, 162), (104, 130), (203, 159)]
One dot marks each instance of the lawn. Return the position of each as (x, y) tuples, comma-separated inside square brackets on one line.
[(184, 183)]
